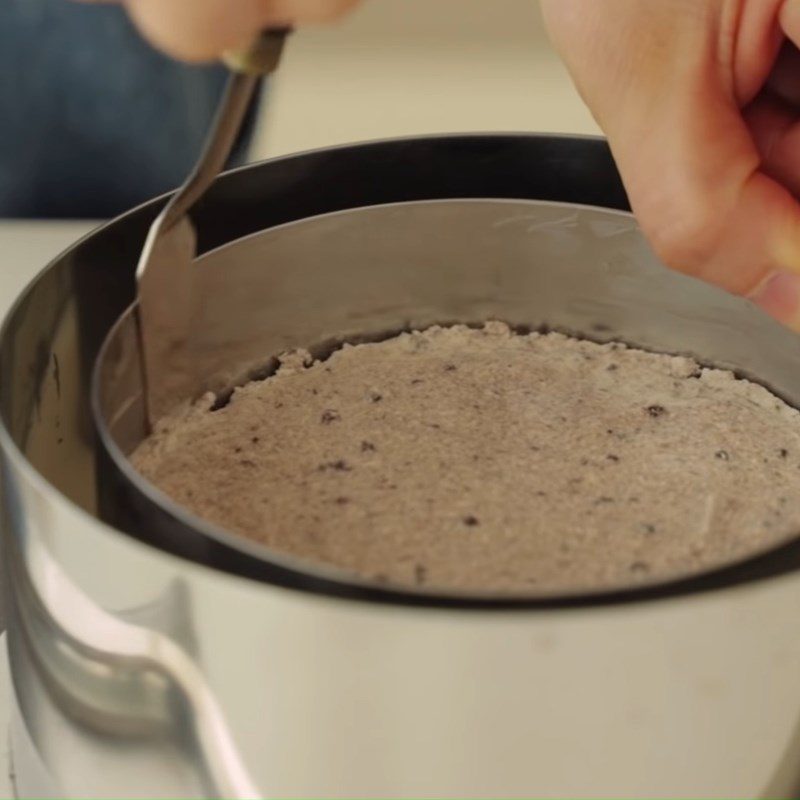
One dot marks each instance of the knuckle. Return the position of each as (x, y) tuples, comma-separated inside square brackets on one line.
[(684, 234)]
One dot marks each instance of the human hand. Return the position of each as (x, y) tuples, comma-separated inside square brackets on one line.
[(700, 100), (201, 30)]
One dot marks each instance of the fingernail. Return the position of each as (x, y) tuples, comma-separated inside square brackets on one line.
[(779, 296)]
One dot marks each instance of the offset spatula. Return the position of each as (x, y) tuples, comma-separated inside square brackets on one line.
[(168, 308)]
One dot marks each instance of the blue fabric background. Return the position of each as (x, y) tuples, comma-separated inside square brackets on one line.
[(93, 121)]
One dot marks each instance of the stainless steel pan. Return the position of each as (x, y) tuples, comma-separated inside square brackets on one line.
[(153, 655)]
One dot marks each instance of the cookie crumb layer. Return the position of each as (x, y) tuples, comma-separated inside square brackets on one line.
[(485, 460)]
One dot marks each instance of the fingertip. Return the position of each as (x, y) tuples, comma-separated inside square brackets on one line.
[(783, 246), (779, 296), (195, 31)]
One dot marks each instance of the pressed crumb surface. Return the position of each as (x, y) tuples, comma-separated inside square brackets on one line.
[(484, 460)]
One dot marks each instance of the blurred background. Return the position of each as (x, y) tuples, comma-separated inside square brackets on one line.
[(400, 67)]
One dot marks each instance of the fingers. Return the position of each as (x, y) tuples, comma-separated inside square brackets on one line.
[(697, 185), (743, 236), (775, 127), (776, 132), (200, 30), (668, 90), (779, 296), (196, 30), (695, 175)]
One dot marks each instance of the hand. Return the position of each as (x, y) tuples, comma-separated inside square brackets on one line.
[(201, 30), (700, 100)]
